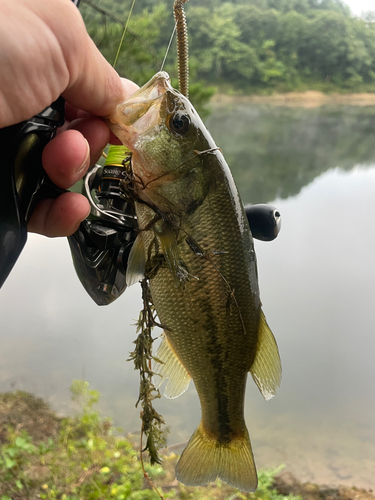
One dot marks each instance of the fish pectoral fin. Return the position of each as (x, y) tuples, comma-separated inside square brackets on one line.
[(172, 369), (168, 242), (266, 368), (135, 270), (205, 458)]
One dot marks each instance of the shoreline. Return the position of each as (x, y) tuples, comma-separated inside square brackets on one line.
[(307, 99), (22, 410), (286, 484)]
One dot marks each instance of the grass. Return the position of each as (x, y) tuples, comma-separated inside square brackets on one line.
[(81, 457)]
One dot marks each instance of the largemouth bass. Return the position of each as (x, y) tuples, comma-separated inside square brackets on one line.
[(195, 237)]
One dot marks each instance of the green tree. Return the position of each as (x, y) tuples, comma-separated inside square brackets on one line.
[(224, 57), (253, 45)]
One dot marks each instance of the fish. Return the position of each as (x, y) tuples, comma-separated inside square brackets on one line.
[(195, 245)]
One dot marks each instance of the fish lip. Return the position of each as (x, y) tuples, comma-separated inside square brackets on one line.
[(150, 91), (126, 121), (161, 81), (144, 97)]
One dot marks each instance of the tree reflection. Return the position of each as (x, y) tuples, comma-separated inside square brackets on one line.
[(275, 151)]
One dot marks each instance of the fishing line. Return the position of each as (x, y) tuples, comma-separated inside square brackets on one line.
[(169, 46), (123, 34)]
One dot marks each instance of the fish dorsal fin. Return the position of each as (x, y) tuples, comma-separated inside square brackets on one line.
[(172, 369), (136, 262), (266, 369), (168, 242)]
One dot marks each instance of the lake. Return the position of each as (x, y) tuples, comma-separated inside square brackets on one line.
[(317, 281)]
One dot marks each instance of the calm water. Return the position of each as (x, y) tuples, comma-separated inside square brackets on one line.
[(317, 285)]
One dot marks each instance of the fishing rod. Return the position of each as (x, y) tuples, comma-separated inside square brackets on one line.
[(102, 243)]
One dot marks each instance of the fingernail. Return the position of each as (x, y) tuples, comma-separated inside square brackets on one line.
[(86, 162)]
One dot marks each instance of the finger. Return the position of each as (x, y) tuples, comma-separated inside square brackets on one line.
[(66, 158), (60, 217), (96, 132), (54, 32), (129, 87), (114, 140), (94, 85), (72, 113)]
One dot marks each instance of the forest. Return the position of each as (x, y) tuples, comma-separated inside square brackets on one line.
[(242, 46)]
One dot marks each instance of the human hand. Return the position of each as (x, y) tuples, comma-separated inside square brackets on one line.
[(47, 53)]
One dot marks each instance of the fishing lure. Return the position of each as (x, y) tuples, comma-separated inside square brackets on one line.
[(182, 46)]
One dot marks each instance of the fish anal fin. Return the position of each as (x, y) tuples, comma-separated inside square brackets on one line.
[(205, 458), (266, 368), (172, 369), (135, 270)]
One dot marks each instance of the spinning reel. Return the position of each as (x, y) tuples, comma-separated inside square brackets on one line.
[(101, 246)]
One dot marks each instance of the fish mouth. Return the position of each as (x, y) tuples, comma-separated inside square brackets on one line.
[(141, 111)]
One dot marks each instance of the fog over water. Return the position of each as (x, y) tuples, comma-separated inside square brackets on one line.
[(317, 282)]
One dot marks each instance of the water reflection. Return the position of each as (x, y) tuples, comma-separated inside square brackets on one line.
[(318, 289), (275, 151)]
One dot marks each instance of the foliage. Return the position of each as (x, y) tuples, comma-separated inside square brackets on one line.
[(86, 460), (152, 421), (251, 46), (144, 47)]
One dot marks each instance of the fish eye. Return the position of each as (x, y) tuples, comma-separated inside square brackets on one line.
[(179, 123)]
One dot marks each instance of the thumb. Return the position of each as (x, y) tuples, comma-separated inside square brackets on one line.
[(92, 85), (96, 87)]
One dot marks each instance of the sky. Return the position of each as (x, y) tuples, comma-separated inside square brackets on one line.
[(358, 6)]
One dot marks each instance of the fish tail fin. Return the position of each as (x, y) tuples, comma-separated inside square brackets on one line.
[(205, 458)]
